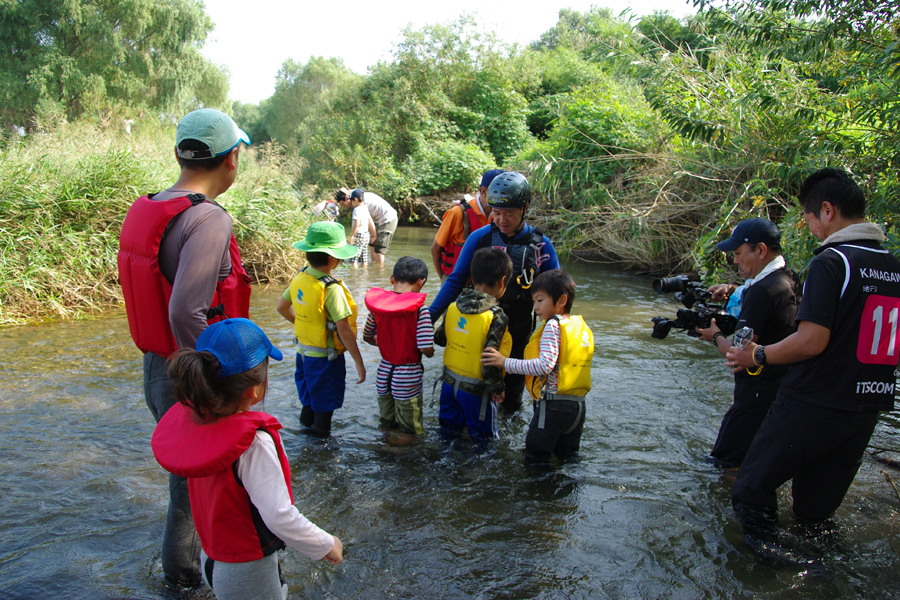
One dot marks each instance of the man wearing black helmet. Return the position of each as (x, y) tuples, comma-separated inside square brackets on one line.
[(531, 252)]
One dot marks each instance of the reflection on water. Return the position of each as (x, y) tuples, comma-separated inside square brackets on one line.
[(641, 515)]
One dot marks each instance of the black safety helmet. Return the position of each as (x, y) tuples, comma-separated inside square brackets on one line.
[(509, 190)]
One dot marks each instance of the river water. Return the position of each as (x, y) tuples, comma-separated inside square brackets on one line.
[(640, 515)]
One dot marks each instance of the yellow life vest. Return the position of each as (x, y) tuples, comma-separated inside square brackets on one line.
[(576, 349), (311, 327), (466, 334)]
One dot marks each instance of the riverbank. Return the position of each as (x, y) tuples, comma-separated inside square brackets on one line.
[(66, 192)]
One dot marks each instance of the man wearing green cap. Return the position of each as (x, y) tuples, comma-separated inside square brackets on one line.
[(180, 271), (324, 318)]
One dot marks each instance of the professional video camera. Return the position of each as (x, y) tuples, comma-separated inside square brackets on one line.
[(690, 293)]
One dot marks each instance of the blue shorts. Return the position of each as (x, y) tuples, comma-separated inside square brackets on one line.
[(321, 382), (465, 409)]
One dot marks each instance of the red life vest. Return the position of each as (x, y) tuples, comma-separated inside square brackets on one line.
[(450, 253), (228, 524), (397, 318), (147, 291)]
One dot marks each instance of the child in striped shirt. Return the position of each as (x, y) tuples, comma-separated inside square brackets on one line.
[(557, 366), (406, 334)]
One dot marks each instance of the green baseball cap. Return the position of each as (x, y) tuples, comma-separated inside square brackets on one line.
[(212, 128), (327, 237)]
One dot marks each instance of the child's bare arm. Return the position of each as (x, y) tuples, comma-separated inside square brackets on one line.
[(286, 309), (371, 339), (348, 338), (429, 352)]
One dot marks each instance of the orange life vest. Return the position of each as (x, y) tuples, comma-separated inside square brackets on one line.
[(450, 253)]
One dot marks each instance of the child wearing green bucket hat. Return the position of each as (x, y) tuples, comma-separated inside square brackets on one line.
[(324, 316)]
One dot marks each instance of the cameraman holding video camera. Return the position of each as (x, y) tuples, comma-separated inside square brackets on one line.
[(767, 303), (844, 358)]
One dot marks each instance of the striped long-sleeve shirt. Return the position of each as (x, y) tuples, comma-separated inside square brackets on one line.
[(546, 360), (406, 381)]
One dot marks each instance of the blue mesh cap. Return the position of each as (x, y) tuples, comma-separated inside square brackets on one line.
[(488, 176), (239, 344), (211, 127)]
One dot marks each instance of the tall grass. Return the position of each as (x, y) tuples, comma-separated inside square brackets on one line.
[(64, 194), (651, 218)]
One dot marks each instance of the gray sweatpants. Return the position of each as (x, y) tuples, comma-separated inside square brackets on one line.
[(254, 580)]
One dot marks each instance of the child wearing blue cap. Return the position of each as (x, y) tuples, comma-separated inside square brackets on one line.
[(237, 470)]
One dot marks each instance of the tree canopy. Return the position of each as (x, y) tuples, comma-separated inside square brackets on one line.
[(82, 56), (641, 135)]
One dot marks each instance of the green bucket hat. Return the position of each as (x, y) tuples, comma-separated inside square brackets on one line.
[(327, 237)]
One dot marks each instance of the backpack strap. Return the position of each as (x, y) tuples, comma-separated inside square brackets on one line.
[(467, 228)]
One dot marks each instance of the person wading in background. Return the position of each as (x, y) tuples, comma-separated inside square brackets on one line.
[(463, 218)]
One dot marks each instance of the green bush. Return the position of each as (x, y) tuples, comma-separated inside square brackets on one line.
[(447, 166), (599, 133)]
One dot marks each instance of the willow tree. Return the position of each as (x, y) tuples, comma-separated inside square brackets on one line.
[(783, 88), (78, 56), (302, 90)]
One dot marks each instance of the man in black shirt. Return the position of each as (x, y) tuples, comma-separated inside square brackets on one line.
[(768, 304), (844, 359)]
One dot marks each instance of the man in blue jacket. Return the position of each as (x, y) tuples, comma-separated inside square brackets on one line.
[(531, 252)]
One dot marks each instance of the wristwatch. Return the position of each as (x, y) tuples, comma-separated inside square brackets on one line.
[(759, 356), (716, 336)]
